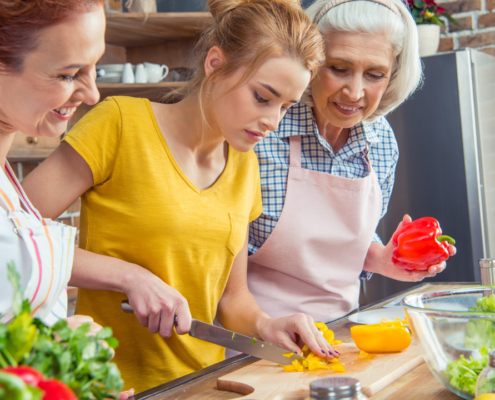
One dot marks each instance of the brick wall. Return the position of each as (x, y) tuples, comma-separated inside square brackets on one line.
[(477, 26)]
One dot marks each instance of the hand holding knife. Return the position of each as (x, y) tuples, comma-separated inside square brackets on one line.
[(235, 341)]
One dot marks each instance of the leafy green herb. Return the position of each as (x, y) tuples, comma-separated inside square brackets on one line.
[(485, 304), (254, 340), (233, 335), (464, 372), (71, 356), (480, 334)]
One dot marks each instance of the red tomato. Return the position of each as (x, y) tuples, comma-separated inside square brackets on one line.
[(29, 375), (56, 390)]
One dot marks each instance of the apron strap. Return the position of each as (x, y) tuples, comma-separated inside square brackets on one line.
[(22, 196), (295, 151)]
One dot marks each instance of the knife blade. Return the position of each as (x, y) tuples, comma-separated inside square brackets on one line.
[(235, 341)]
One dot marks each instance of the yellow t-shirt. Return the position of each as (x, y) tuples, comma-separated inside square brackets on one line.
[(143, 209)]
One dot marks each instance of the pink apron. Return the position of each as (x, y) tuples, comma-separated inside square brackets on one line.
[(312, 260)]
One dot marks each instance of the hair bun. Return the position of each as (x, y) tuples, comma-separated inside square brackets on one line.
[(219, 8)]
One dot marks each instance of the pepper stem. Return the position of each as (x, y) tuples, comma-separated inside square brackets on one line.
[(445, 238)]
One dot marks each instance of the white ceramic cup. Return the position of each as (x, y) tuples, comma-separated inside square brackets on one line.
[(155, 72), (140, 74), (128, 74)]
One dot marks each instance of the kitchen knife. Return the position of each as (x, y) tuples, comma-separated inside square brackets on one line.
[(235, 341)]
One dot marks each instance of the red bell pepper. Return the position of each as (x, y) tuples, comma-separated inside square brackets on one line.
[(420, 244), (26, 383), (56, 390), (29, 375)]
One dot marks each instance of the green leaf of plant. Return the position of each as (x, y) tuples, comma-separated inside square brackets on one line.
[(113, 342), (416, 12), (14, 278), (437, 21), (3, 335), (451, 19), (21, 336), (89, 351), (419, 3), (104, 333)]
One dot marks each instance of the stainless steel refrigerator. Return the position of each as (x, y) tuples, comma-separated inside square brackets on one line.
[(446, 168)]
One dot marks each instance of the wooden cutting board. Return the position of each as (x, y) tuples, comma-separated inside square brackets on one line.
[(265, 380)]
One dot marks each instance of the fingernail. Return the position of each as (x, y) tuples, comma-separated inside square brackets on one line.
[(337, 352)]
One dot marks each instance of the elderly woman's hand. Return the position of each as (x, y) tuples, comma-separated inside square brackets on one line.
[(293, 332), (379, 260), (125, 395), (76, 321)]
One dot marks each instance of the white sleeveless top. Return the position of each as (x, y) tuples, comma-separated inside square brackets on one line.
[(42, 250)]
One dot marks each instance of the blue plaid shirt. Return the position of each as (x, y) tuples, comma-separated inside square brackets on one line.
[(317, 155)]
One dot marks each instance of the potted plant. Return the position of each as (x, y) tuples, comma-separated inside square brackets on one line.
[(427, 16)]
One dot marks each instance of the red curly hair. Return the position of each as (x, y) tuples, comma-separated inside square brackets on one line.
[(22, 20)]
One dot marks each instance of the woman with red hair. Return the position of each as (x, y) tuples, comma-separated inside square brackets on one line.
[(48, 52)]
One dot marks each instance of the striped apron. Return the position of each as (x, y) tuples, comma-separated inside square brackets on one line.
[(42, 250)]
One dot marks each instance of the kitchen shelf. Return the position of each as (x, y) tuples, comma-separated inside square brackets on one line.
[(28, 155), (134, 29), (146, 90), (25, 148)]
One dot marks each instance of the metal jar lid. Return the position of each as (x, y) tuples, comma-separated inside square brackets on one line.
[(335, 388)]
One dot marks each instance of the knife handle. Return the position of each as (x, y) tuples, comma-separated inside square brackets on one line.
[(126, 307)]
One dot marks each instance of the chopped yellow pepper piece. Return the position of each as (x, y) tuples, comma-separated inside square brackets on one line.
[(314, 362), (338, 368), (321, 326)]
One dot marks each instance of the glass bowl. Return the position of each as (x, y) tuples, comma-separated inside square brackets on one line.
[(446, 331)]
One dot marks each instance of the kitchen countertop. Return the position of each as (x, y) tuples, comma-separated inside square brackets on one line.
[(419, 383)]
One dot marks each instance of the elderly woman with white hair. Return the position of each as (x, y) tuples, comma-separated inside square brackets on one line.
[(327, 173)]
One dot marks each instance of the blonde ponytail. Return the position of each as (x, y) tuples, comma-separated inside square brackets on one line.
[(249, 32), (219, 8)]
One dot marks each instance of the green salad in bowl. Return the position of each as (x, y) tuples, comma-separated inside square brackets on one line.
[(455, 331)]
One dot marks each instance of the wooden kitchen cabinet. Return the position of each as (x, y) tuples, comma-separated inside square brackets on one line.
[(32, 149), (161, 38)]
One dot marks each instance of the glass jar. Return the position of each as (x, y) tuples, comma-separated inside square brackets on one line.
[(336, 388), (486, 379)]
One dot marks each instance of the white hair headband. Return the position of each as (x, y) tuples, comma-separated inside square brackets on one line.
[(333, 3)]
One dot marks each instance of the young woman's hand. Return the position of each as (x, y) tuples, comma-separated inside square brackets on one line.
[(156, 304), (293, 332), (379, 260)]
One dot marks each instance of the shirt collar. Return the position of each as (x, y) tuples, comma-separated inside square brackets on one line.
[(300, 120)]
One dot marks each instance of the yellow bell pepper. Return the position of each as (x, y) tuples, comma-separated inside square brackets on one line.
[(386, 337), (314, 362)]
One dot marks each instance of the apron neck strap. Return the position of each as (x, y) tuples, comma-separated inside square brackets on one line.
[(295, 151), (20, 192)]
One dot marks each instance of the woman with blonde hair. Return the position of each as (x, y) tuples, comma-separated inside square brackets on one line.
[(327, 172), (168, 190)]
